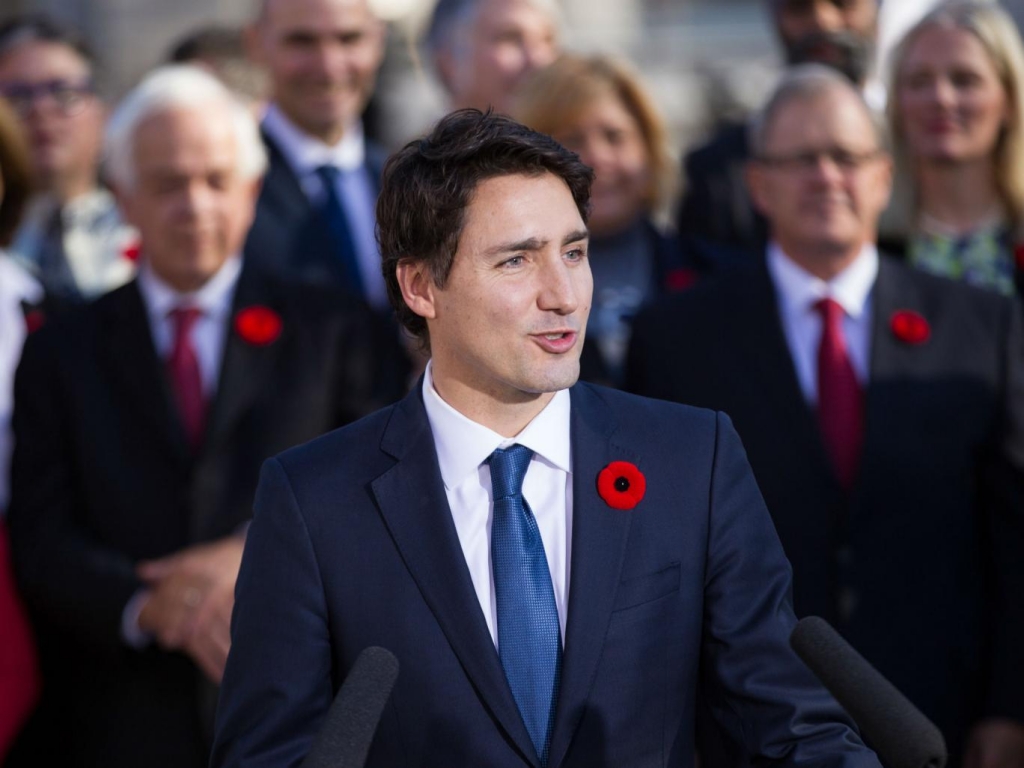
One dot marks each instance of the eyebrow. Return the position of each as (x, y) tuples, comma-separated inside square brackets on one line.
[(535, 244)]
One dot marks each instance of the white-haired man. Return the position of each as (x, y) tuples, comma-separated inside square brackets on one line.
[(483, 49), (142, 421)]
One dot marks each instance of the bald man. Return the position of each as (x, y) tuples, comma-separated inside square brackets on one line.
[(314, 219)]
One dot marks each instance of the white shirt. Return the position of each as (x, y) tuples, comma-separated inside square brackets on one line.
[(463, 447), (16, 286), (798, 291), (355, 188), (210, 330), (95, 240)]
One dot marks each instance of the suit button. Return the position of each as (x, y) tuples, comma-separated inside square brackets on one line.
[(848, 599)]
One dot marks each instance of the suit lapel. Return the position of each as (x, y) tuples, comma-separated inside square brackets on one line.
[(246, 368), (136, 373), (281, 187), (412, 501), (599, 536), (757, 332)]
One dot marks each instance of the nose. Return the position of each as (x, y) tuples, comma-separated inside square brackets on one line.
[(560, 286), (824, 16), (538, 52), (826, 170)]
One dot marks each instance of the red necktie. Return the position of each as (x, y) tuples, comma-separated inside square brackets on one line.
[(840, 399), (183, 367)]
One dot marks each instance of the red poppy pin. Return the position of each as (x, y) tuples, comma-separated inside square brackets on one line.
[(34, 320), (131, 251), (258, 325), (1018, 256), (909, 327), (679, 279), (621, 485)]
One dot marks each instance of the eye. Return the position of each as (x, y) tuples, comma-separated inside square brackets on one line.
[(513, 262), (576, 254)]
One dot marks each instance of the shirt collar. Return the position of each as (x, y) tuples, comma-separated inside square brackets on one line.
[(799, 290), (213, 298), (463, 445), (306, 153)]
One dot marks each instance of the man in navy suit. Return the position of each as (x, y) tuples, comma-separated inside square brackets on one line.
[(557, 566), (314, 218), (883, 412)]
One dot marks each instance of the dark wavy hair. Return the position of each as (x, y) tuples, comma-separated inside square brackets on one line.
[(428, 184)]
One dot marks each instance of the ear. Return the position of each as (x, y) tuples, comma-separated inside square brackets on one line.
[(253, 39), (124, 203), (418, 289), (757, 183)]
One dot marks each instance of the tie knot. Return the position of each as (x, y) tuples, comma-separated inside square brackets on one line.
[(328, 174), (184, 318), (508, 468), (831, 311)]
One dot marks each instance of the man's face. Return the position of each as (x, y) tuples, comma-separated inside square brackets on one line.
[(821, 180), (838, 33), (322, 57), (50, 86), (189, 203), (510, 321), (504, 42)]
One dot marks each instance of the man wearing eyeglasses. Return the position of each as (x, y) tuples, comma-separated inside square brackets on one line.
[(883, 415), (72, 238)]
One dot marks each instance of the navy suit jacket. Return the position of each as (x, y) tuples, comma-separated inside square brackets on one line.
[(289, 237), (353, 545), (921, 566)]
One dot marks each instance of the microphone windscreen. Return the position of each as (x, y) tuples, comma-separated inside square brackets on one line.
[(901, 735), (345, 737)]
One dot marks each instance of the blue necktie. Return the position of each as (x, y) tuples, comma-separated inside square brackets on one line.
[(333, 211), (529, 637)]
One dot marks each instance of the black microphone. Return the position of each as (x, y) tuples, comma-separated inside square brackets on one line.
[(345, 738), (897, 730)]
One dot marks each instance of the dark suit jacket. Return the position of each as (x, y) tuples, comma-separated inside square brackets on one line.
[(353, 545), (102, 478), (717, 220), (921, 566), (289, 237)]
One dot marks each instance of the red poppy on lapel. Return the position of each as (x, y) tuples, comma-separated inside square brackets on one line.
[(680, 279), (131, 251), (34, 320), (621, 485), (258, 325), (909, 327)]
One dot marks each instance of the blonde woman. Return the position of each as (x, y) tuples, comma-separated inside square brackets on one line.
[(958, 133), (598, 108)]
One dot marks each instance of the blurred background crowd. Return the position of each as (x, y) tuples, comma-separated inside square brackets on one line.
[(189, 263)]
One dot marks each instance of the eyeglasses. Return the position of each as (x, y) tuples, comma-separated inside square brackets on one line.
[(844, 159), (69, 97)]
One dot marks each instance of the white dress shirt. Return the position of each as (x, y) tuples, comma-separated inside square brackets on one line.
[(210, 330), (16, 286), (357, 191), (798, 291), (463, 447), (95, 240)]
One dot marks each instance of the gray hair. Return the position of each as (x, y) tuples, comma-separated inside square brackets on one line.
[(804, 82), (450, 17), (179, 86)]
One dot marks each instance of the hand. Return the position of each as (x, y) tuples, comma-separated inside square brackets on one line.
[(194, 592), (996, 743)]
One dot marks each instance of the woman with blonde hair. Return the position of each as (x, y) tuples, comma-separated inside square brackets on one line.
[(597, 107), (957, 121)]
